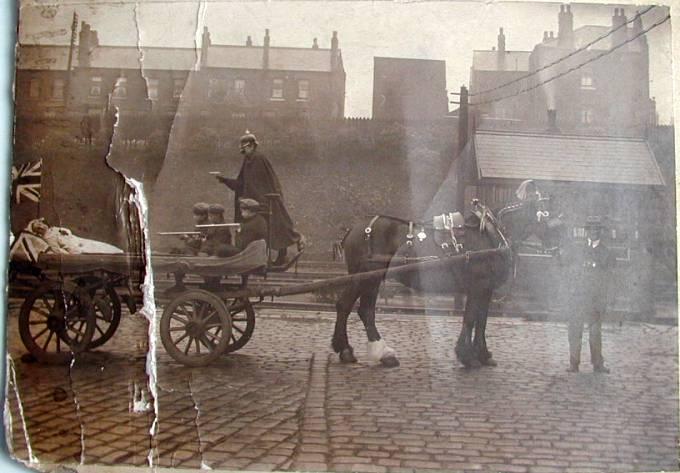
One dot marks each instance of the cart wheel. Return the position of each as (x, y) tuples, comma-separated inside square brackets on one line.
[(106, 304), (195, 328), (242, 323), (56, 321)]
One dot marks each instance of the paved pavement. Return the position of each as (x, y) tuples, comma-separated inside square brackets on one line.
[(285, 403)]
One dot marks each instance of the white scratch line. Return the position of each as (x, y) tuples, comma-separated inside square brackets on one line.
[(77, 404), (8, 413)]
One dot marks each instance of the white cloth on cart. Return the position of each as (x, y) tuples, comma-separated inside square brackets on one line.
[(39, 238), (62, 240)]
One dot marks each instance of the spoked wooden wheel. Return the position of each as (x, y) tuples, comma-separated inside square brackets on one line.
[(242, 323), (195, 328), (56, 321), (106, 305)]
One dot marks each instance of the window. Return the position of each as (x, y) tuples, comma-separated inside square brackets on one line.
[(277, 89), (586, 117), (177, 88), (95, 86), (238, 115), (239, 87), (34, 89), (120, 91), (587, 82), (216, 89), (58, 89), (152, 89), (303, 90)]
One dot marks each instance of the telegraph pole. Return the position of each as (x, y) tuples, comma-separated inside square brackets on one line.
[(74, 28), (463, 137), (463, 119)]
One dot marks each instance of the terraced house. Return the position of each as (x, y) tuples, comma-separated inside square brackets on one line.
[(235, 81)]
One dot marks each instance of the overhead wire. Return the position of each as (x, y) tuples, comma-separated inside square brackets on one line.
[(574, 68), (563, 58)]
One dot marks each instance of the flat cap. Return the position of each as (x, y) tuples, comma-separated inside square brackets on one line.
[(216, 209), (201, 208), (246, 203)]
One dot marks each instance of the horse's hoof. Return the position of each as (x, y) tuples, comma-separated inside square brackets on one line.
[(347, 356), (473, 364), (389, 361), (489, 362)]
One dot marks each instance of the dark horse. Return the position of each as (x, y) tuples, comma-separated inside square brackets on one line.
[(373, 244)]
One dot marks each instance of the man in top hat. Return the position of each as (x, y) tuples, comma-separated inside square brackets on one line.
[(590, 279), (255, 180)]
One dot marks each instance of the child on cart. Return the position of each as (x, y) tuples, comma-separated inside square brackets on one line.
[(253, 227)]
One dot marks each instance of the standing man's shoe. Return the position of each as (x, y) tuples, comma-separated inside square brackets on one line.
[(601, 369), (572, 368)]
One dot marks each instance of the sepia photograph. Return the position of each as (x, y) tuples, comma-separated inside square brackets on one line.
[(342, 236)]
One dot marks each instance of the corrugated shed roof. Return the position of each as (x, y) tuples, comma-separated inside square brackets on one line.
[(566, 158), (513, 60), (43, 57)]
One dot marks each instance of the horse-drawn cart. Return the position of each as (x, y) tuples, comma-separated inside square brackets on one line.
[(76, 304)]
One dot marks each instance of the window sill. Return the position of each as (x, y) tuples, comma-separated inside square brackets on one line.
[(302, 100), (277, 99)]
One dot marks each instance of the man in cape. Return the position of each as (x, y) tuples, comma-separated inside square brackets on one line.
[(256, 180)]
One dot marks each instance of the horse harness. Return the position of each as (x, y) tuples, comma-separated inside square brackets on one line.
[(447, 236)]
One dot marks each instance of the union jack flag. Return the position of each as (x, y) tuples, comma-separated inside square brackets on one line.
[(26, 181)]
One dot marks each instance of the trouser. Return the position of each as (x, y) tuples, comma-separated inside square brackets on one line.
[(594, 321)]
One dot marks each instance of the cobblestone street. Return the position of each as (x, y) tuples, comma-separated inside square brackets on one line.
[(284, 402)]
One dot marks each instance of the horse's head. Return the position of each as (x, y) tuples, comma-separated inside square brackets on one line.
[(535, 216)]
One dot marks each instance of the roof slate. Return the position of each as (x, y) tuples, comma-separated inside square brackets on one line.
[(300, 59), (183, 59), (235, 57), (572, 158), (43, 57)]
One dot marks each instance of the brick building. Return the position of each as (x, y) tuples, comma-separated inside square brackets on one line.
[(586, 100), (409, 89), (232, 81), (493, 68)]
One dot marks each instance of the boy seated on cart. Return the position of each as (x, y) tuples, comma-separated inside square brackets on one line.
[(192, 242), (253, 227), (215, 238)]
